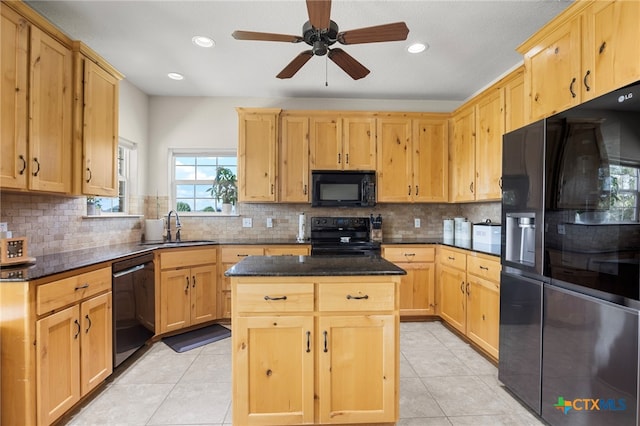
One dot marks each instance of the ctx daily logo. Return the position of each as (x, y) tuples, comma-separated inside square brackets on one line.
[(590, 404)]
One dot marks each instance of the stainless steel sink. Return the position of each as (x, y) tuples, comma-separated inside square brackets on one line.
[(178, 243)]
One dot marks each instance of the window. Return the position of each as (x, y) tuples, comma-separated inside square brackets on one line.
[(193, 175), (624, 193), (126, 155)]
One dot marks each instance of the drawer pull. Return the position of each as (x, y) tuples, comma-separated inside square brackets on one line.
[(409, 254), (82, 287), (308, 341), (89, 326), (77, 323), (451, 258), (366, 296), (325, 341), (484, 268), (242, 255), (275, 298)]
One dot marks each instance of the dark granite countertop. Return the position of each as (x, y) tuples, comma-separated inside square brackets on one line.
[(293, 266)]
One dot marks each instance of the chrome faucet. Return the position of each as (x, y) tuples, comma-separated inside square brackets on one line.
[(178, 226)]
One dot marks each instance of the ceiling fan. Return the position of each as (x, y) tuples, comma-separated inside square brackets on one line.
[(320, 32)]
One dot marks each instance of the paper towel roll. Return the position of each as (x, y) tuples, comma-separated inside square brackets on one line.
[(302, 223), (153, 229)]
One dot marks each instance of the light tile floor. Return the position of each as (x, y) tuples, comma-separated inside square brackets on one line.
[(443, 381)]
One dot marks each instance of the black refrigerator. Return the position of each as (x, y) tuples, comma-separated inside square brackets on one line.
[(570, 283)]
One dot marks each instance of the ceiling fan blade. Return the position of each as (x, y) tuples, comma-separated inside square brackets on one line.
[(319, 13), (348, 64), (388, 32), (295, 65), (252, 35)]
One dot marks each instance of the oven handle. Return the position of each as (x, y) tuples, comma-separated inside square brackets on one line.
[(128, 271)]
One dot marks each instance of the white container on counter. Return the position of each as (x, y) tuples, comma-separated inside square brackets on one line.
[(447, 231), (154, 230), (487, 233)]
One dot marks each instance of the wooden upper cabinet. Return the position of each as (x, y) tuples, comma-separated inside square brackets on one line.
[(489, 131), (257, 148), (342, 143), (97, 127), (14, 46), (611, 43), (462, 156), (553, 76), (96, 97), (293, 154), (431, 159), (395, 163), (514, 111), (51, 107)]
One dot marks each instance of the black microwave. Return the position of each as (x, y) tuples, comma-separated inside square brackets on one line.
[(332, 188)]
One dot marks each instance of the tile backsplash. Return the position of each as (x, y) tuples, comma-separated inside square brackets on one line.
[(58, 224)]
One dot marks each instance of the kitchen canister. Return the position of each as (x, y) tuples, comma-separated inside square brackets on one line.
[(447, 231), (302, 224), (153, 230)]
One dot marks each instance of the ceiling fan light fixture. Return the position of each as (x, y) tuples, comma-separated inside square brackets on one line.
[(203, 41), (175, 76), (417, 48)]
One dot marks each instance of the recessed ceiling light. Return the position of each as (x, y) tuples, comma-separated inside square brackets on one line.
[(417, 48), (175, 76), (203, 41)]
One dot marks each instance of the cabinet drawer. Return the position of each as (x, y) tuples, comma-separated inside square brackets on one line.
[(356, 297), (57, 294), (484, 268), (287, 250), (235, 254), (274, 297), (187, 258), (409, 254), (453, 258)]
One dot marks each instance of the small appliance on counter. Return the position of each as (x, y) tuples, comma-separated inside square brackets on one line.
[(376, 228), (461, 231), (487, 233)]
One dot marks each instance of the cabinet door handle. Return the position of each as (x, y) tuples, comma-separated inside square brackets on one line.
[(308, 341), (471, 187), (275, 298), (467, 289), (35, 159), (500, 182), (462, 287), (346, 158), (409, 190), (24, 164), (88, 320), (304, 191), (272, 189), (366, 296), (186, 289), (573, 81), (339, 159), (326, 349), (417, 190), (77, 323), (90, 175), (602, 47), (193, 284), (586, 82)]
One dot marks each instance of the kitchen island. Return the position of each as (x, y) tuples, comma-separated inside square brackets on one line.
[(315, 340)]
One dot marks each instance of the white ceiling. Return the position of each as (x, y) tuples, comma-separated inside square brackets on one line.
[(472, 43)]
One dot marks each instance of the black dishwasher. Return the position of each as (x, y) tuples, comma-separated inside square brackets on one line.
[(133, 305)]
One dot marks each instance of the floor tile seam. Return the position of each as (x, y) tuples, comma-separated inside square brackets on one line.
[(160, 404)]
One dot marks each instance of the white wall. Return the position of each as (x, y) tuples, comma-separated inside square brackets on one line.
[(133, 123), (211, 122)]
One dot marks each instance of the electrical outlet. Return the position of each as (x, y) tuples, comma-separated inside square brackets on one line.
[(416, 222), (269, 222), (247, 222), (3, 227)]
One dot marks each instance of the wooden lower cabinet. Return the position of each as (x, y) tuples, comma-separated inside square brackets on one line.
[(469, 295), (74, 355), (188, 288), (56, 344), (417, 288), (308, 354)]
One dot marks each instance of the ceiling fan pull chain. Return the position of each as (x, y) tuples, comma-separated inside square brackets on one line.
[(326, 71)]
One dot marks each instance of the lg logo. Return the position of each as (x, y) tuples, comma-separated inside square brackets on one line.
[(623, 98)]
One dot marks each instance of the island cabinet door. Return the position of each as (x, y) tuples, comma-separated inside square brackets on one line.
[(357, 369), (273, 370)]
